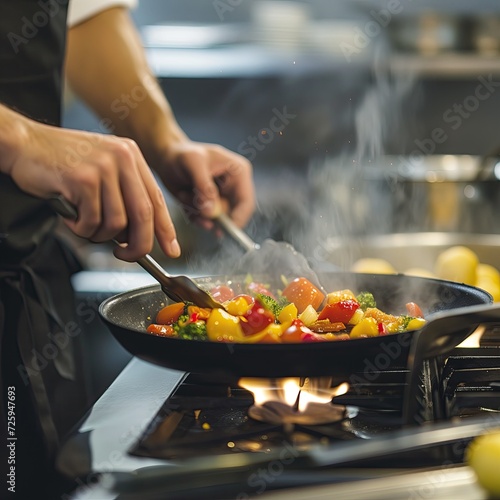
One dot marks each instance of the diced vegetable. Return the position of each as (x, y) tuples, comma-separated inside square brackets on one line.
[(293, 317), (222, 293), (357, 316), (289, 313), (367, 327), (366, 300), (339, 312), (238, 306), (308, 315), (170, 314), (192, 330), (414, 310), (162, 330), (382, 329), (339, 295), (223, 327), (195, 313), (415, 324), (326, 326), (272, 304), (259, 289), (295, 332), (302, 293), (256, 319)]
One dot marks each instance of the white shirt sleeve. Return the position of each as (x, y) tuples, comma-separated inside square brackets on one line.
[(81, 10)]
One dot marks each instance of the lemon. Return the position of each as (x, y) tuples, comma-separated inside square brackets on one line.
[(372, 265), (457, 263), (490, 286), (483, 455), (487, 271), (419, 271)]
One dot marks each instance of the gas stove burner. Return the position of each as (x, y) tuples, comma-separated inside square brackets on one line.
[(276, 412), (305, 401)]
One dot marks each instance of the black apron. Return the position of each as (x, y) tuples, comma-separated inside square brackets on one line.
[(39, 333)]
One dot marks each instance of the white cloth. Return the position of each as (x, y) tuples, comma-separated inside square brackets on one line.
[(81, 10)]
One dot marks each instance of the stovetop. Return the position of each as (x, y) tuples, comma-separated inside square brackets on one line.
[(204, 417)]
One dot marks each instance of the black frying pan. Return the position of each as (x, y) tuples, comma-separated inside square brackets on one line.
[(128, 314)]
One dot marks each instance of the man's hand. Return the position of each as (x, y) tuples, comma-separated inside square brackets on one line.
[(207, 178), (105, 177)]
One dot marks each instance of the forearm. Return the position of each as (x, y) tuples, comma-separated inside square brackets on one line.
[(107, 68)]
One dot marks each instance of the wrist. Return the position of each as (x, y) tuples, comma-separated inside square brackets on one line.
[(14, 130), (162, 140)]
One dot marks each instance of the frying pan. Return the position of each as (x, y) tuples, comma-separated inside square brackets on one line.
[(444, 303)]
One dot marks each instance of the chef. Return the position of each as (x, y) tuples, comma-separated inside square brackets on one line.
[(106, 177)]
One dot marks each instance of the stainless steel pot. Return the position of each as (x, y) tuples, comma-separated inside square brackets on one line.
[(456, 193)]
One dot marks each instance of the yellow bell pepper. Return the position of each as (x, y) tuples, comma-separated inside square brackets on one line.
[(367, 327), (340, 295), (415, 324), (237, 306), (224, 327), (288, 313)]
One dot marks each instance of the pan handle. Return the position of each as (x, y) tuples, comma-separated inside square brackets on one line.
[(438, 337)]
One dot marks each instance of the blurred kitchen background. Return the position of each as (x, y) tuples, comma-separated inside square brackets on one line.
[(360, 117)]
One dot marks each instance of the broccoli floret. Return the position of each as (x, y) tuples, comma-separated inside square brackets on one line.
[(273, 305), (191, 330), (366, 300), (405, 320)]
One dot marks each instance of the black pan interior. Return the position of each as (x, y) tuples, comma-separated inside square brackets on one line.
[(128, 314)]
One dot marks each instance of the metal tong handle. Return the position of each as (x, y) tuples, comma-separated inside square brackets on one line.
[(236, 233), (190, 290), (152, 267)]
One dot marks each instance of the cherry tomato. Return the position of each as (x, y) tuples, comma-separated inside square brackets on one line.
[(414, 310), (221, 293), (339, 312), (170, 314), (256, 319), (302, 292), (161, 330)]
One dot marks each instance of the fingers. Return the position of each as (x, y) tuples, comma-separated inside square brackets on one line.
[(235, 181), (217, 173), (163, 227), (205, 191), (240, 189), (116, 194), (114, 215)]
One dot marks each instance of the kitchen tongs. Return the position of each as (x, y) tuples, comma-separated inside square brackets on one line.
[(179, 288)]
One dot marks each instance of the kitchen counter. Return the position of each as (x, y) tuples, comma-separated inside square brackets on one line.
[(119, 417), (113, 424)]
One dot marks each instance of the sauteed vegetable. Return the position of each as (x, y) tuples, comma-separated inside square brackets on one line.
[(298, 313)]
